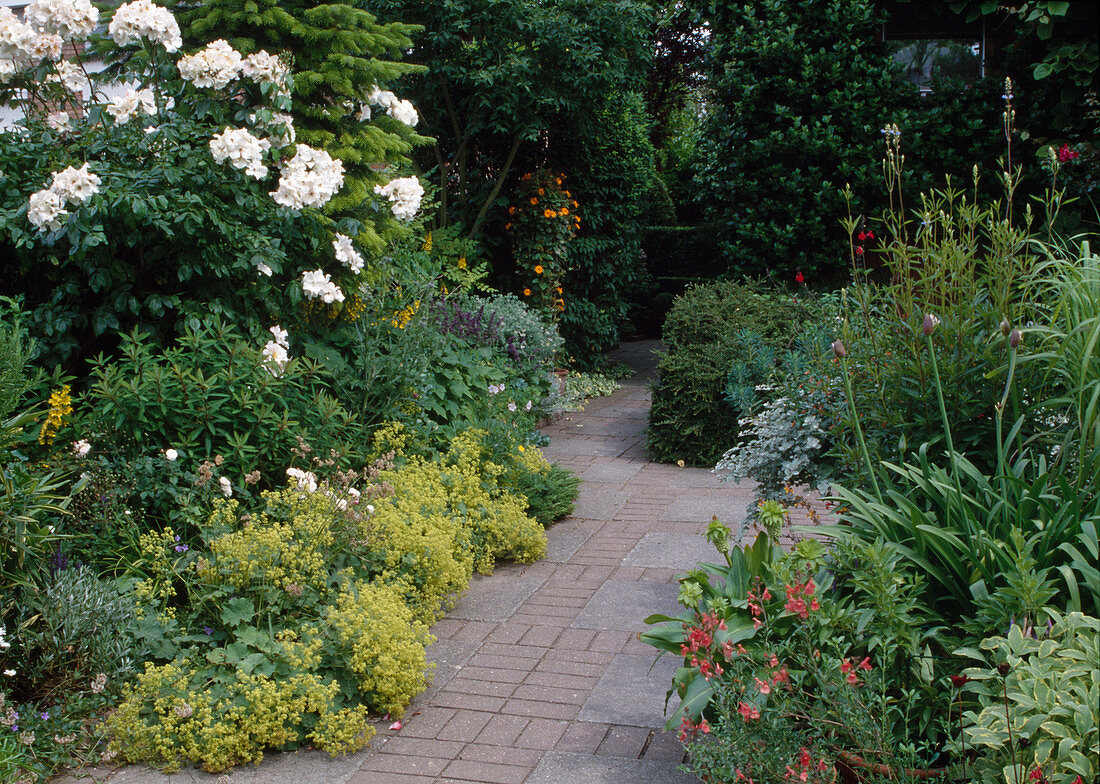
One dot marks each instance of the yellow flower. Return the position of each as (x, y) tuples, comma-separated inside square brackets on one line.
[(61, 406), (462, 262), (427, 242)]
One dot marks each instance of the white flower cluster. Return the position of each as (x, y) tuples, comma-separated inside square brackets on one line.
[(242, 150), (275, 351), (46, 208), (309, 179), (59, 121), (346, 253), (263, 67), (398, 109), (144, 19), (127, 106), (404, 194), (69, 75), (24, 45), (306, 480), (215, 66), (81, 448), (318, 285), (66, 18)]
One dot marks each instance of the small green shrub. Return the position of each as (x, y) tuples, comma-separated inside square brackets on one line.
[(689, 419), (77, 626), (213, 394), (1041, 711)]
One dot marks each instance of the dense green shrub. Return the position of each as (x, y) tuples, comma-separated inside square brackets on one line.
[(689, 419), (800, 90), (287, 620), (214, 394), (612, 175)]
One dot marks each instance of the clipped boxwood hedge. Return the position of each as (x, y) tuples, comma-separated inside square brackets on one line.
[(689, 419)]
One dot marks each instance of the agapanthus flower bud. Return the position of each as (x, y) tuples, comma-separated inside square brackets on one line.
[(838, 349), (930, 323), (1014, 338), (1005, 327)]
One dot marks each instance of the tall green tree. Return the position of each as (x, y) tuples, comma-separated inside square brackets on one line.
[(338, 54), (503, 80)]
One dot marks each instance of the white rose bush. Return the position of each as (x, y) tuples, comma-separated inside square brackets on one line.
[(173, 180)]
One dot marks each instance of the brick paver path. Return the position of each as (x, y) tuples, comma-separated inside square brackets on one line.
[(540, 677)]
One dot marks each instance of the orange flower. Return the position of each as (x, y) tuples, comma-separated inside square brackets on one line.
[(534, 200), (542, 191), (549, 213), (511, 210), (527, 176), (559, 289), (563, 211), (567, 194), (527, 292), (507, 226), (575, 205), (538, 269), (558, 180)]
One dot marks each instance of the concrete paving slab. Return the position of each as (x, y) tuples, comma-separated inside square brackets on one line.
[(567, 536), (611, 471), (600, 501), (669, 550), (449, 657), (623, 606), (495, 597), (632, 691), (302, 767), (702, 505), (563, 767)]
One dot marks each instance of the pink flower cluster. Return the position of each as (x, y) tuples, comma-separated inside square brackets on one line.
[(797, 596)]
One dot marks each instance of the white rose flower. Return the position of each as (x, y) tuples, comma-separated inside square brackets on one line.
[(346, 253), (309, 179), (59, 121), (305, 480), (227, 487), (74, 185), (66, 18), (318, 285), (275, 357), (171, 455), (264, 67), (213, 67), (144, 19), (242, 150), (46, 210), (404, 194), (263, 269), (280, 335), (404, 111)]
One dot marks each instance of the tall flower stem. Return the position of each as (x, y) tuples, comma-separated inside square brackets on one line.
[(859, 430), (943, 414)]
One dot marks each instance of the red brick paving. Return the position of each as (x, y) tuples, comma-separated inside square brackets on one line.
[(518, 694)]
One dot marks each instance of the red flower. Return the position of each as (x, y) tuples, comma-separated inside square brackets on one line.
[(798, 278), (958, 681), (1065, 154)]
